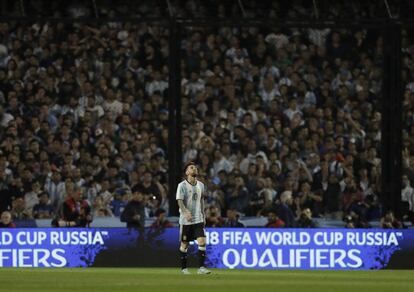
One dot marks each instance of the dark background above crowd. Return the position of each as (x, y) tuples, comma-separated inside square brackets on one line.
[(276, 9)]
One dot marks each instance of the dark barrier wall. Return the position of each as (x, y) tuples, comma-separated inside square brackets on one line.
[(228, 248)]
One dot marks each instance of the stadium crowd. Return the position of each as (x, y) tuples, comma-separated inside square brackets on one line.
[(285, 120), (83, 119), (282, 123)]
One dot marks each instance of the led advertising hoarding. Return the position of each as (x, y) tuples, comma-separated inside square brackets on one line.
[(235, 248)]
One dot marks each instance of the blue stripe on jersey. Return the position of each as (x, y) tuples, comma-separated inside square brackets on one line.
[(193, 201)]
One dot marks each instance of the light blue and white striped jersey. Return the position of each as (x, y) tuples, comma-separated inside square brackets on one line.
[(192, 197)]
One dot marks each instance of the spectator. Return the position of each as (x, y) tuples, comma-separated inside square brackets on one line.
[(213, 218), (284, 209), (55, 187), (5, 118), (232, 219), (150, 190), (259, 200), (407, 198), (119, 203), (220, 163), (332, 197), (100, 209), (18, 210), (134, 212), (354, 220), (349, 221), (161, 221), (273, 220), (359, 210), (6, 196), (32, 198), (76, 211), (43, 209), (388, 221), (305, 219), (6, 220), (237, 196), (308, 199)]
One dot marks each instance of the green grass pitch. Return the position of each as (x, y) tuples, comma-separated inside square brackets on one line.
[(168, 279)]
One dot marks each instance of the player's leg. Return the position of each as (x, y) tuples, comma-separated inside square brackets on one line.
[(183, 257), (201, 241), (184, 248)]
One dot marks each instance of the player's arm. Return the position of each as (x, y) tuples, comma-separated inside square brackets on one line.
[(180, 202), (184, 210), (203, 196), (202, 208)]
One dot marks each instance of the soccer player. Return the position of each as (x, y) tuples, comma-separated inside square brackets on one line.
[(190, 197)]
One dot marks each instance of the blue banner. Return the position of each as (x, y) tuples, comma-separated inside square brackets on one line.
[(236, 248), (305, 248)]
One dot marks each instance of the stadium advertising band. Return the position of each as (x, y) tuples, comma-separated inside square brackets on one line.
[(236, 248)]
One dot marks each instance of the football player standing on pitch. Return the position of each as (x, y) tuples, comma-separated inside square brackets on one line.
[(190, 198)]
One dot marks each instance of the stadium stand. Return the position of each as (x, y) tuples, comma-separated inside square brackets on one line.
[(82, 106), (285, 113), (278, 119)]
